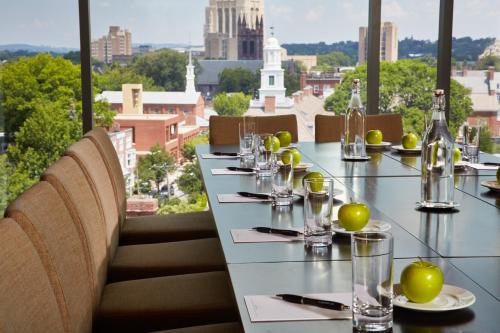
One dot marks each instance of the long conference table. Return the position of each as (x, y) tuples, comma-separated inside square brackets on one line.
[(464, 243)]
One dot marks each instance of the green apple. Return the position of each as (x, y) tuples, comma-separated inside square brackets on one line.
[(285, 138), (272, 141), (421, 281), (409, 141), (287, 154), (374, 137), (354, 216), (317, 181), (457, 155)]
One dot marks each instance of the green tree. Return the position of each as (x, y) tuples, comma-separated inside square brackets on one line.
[(155, 166), (195, 203), (231, 105), (292, 82), (188, 150), (238, 80), (486, 144), (335, 59), (406, 86), (40, 141), (190, 181), (485, 62), (5, 170), (116, 76), (27, 80), (166, 67)]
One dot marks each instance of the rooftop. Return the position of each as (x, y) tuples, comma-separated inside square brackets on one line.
[(153, 97), (122, 116)]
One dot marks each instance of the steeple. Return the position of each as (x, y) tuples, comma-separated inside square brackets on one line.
[(190, 88)]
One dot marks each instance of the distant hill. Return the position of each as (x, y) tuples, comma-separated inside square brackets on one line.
[(464, 48), (36, 48)]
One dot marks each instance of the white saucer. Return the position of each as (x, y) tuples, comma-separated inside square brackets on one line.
[(493, 185), (450, 298), (372, 226), (300, 192), (301, 167), (403, 150), (382, 145), (461, 165)]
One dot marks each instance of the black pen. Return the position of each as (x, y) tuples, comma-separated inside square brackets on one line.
[(285, 232), (492, 163), (332, 305), (240, 169), (218, 153), (255, 195)]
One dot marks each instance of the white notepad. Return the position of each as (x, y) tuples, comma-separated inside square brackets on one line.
[(263, 308), (252, 236), (218, 157), (220, 172), (479, 166), (236, 198)]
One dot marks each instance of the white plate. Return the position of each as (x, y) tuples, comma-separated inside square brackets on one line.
[(402, 149), (301, 167), (382, 145), (450, 298), (493, 185), (372, 226), (300, 192), (461, 164)]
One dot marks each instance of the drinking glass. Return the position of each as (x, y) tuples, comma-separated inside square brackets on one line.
[(372, 281), (264, 158), (471, 143), (282, 188), (246, 130), (318, 203)]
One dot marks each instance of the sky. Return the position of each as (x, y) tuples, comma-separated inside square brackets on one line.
[(55, 22)]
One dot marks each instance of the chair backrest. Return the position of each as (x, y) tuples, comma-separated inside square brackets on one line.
[(391, 125), (42, 214), (28, 301), (70, 182), (273, 124), (328, 128), (85, 153), (101, 140), (224, 129)]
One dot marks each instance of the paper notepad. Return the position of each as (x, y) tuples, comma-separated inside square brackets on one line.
[(219, 172), (218, 157), (263, 308), (252, 236), (479, 166), (236, 198)]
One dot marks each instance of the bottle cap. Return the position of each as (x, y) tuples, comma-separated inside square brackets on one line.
[(439, 92)]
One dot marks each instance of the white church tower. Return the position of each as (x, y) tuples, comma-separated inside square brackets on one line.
[(272, 76), (190, 88)]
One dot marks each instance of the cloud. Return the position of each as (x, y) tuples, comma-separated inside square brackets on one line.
[(104, 4), (314, 14), (392, 9)]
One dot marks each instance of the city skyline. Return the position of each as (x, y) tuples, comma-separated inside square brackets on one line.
[(158, 21)]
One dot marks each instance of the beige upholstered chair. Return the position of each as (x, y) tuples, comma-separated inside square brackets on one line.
[(140, 305), (73, 183), (216, 328), (224, 129), (328, 128), (391, 125), (147, 229), (31, 300)]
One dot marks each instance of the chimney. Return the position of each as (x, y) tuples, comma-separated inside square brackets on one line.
[(490, 76), (491, 73), (303, 81)]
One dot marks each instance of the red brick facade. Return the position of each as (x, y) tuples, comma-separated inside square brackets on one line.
[(319, 82)]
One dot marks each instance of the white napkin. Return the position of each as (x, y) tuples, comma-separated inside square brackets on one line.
[(221, 172), (252, 236), (263, 308), (216, 157), (236, 198), (479, 166)]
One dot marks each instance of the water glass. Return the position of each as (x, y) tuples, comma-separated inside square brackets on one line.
[(282, 179), (372, 255), (318, 203), (264, 158), (471, 143), (246, 130)]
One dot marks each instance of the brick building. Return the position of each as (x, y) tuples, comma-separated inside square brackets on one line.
[(122, 140), (321, 83), (250, 40)]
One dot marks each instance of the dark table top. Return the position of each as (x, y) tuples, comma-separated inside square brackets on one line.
[(335, 276), (414, 161), (327, 156), (485, 271), (245, 216), (472, 231), (472, 186)]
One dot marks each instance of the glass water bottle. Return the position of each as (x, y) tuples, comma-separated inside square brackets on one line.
[(353, 137), (437, 159)]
